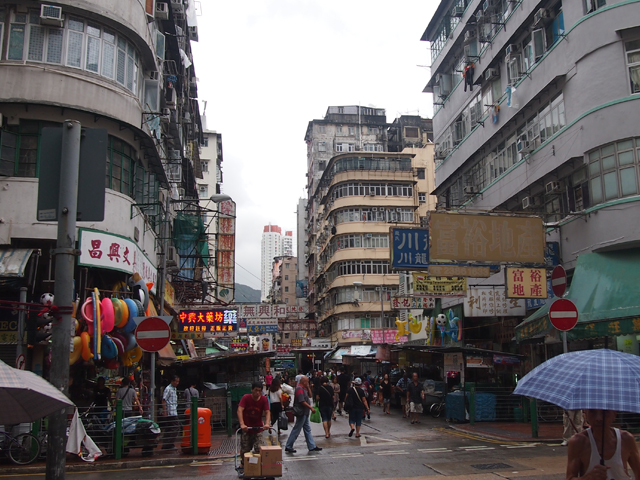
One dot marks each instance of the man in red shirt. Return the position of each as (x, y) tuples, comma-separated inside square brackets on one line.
[(250, 410)]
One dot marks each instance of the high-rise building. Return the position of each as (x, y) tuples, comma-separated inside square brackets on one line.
[(270, 249), (357, 190), (287, 243), (535, 114)]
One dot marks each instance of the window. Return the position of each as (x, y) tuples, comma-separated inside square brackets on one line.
[(339, 130), (593, 5), (374, 130), (422, 197), (205, 142), (411, 132), (322, 146), (633, 62), (286, 265), (321, 129), (203, 191), (204, 165), (286, 300), (286, 336), (286, 277), (286, 289), (352, 130), (613, 171), (421, 174), (345, 147)]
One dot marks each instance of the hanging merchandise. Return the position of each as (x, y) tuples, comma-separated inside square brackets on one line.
[(468, 76), (496, 114)]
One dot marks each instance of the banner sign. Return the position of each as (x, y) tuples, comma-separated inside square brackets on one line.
[(532, 303), (410, 248), (457, 237), (356, 334), (389, 336), (226, 250), (440, 286), (490, 302), (413, 301), (476, 361), (267, 310), (302, 288), (209, 321), (526, 282), (186, 335), (255, 329), (105, 250)]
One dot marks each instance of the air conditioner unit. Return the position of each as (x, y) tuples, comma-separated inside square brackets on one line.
[(528, 202), (398, 209), (51, 15), (172, 257), (552, 187), (368, 315), (541, 17), (470, 35), (383, 209), (154, 75), (511, 49), (525, 147), (177, 6), (444, 83), (372, 193), (174, 172), (193, 33), (369, 235), (491, 73), (170, 97), (165, 117), (457, 11), (175, 155), (187, 117), (162, 11), (374, 209), (470, 190)]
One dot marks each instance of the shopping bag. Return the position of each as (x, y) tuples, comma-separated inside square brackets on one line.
[(315, 416), (283, 421)]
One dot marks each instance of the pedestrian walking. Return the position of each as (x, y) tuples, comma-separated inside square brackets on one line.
[(401, 387), (268, 379), (571, 423), (301, 410), (275, 402), (336, 395), (325, 403), (378, 382), (102, 399), (251, 408), (586, 449), (130, 404), (386, 388), (357, 405), (415, 396), (170, 413), (191, 392), (344, 379)]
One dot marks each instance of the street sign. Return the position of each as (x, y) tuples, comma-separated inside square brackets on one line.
[(559, 281), (21, 362), (563, 314), (153, 334)]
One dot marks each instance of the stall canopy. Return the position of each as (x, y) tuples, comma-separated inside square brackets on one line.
[(605, 289), (352, 351), (13, 261)]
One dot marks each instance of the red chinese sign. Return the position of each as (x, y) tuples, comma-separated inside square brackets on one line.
[(209, 321), (526, 282)]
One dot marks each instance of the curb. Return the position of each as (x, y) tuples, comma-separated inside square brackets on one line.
[(116, 465), (505, 438)]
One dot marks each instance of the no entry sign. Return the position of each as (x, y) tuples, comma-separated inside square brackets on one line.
[(153, 334), (563, 314), (559, 281)]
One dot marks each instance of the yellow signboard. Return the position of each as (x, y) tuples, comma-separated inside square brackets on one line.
[(459, 271), (526, 283), (186, 335), (169, 293), (439, 286), (461, 237)]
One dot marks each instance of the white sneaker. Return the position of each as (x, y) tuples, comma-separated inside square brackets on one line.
[(564, 443)]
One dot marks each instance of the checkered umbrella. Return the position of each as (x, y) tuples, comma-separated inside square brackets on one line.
[(589, 379), (26, 397)]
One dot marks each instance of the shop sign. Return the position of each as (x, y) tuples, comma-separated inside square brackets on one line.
[(226, 250), (492, 302), (9, 331), (320, 343), (452, 362), (389, 336), (213, 321), (267, 310), (105, 250), (440, 286), (282, 348), (169, 293), (505, 360), (255, 326), (465, 237), (413, 301), (526, 282), (239, 346), (477, 361), (410, 249), (264, 343), (532, 303), (187, 335), (460, 271), (296, 342), (356, 334)]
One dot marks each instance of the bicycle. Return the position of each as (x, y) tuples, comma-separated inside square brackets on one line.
[(22, 449), (438, 408)]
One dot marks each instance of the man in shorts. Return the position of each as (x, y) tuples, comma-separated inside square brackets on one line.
[(250, 410), (401, 387), (415, 396)]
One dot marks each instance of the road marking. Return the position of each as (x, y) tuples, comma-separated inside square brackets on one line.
[(198, 464), (434, 450), (301, 459), (365, 441), (157, 466), (348, 454), (529, 445), (392, 452), (477, 447), (457, 433)]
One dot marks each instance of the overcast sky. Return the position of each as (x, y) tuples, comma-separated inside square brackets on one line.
[(268, 67)]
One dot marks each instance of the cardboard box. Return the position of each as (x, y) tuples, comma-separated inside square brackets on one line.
[(271, 457), (252, 466)]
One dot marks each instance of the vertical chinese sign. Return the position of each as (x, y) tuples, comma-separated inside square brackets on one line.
[(410, 248), (226, 251), (526, 282)]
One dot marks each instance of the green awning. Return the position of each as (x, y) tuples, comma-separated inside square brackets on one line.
[(606, 289)]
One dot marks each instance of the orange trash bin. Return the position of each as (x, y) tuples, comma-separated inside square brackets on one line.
[(204, 431)]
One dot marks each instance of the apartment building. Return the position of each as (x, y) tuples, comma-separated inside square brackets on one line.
[(535, 114)]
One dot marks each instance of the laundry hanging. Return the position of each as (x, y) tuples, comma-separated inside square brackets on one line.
[(468, 76)]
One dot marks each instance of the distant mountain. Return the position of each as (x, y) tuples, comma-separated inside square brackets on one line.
[(246, 294)]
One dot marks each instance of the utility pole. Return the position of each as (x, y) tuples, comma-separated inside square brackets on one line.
[(65, 253)]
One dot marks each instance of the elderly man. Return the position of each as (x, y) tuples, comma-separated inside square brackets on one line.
[(302, 409), (585, 449)]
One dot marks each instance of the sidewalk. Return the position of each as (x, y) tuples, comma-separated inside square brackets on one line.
[(512, 432)]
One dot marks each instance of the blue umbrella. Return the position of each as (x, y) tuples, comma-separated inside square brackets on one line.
[(589, 379)]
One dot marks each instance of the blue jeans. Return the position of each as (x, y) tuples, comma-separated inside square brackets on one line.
[(302, 423)]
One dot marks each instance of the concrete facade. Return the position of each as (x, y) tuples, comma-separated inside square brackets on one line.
[(271, 247)]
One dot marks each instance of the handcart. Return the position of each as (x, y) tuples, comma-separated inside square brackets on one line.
[(237, 453)]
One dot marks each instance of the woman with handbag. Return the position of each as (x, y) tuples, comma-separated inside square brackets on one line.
[(356, 404), (275, 401), (325, 400)]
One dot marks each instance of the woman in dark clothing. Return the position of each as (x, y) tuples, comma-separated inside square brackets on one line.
[(325, 401), (359, 405), (101, 398), (275, 402), (387, 390)]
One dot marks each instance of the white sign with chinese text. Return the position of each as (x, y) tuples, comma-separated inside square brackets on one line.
[(105, 250), (413, 301), (267, 310), (492, 302)]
